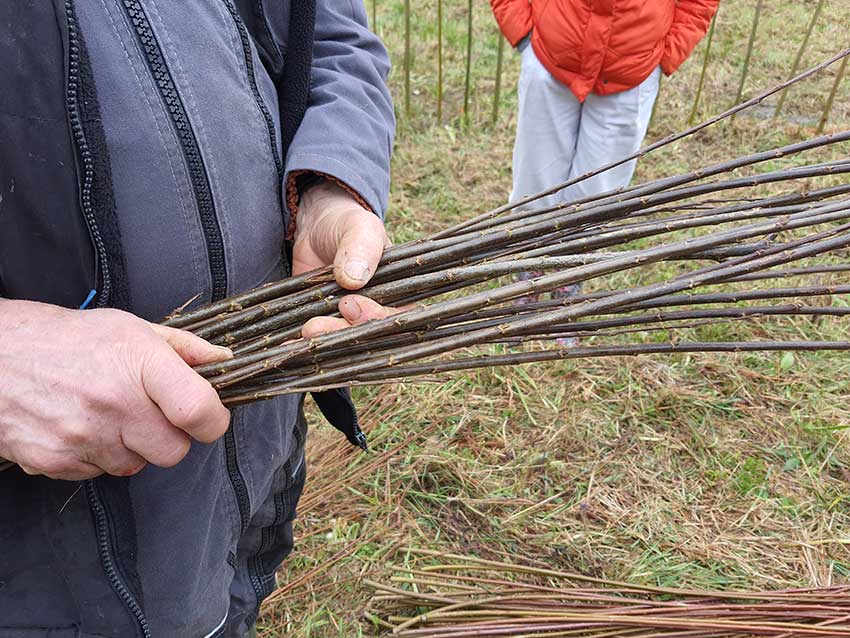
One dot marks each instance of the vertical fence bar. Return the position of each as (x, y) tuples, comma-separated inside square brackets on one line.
[(467, 85), (693, 116), (827, 109), (407, 62), (799, 57), (375, 16), (749, 54), (497, 96), (439, 62)]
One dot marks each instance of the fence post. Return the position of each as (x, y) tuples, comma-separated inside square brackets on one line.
[(705, 57), (498, 94), (407, 62), (749, 52), (799, 57), (468, 64), (828, 106), (439, 62)]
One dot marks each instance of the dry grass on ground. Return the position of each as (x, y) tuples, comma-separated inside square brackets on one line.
[(717, 471)]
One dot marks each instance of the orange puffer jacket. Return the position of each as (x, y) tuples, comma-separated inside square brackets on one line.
[(606, 46)]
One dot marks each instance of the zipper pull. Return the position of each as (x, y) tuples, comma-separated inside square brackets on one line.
[(89, 299)]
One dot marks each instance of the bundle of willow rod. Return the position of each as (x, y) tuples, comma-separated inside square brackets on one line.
[(721, 243), (449, 596)]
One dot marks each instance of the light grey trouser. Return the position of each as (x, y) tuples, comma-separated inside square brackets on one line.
[(559, 138)]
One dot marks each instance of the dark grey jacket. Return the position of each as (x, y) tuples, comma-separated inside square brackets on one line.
[(144, 149)]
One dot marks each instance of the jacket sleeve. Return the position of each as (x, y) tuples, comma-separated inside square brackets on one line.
[(690, 23), (514, 18), (348, 127)]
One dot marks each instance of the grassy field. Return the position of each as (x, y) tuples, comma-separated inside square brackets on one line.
[(718, 471)]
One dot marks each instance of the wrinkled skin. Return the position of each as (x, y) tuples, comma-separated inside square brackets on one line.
[(88, 392)]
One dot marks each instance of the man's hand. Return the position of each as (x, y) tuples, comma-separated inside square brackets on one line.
[(333, 228), (88, 392)]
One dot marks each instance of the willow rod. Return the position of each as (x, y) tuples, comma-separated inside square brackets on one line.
[(748, 55), (665, 301), (599, 327), (651, 147), (693, 116), (497, 93), (323, 302), (837, 237), (257, 296), (439, 62), (465, 597), (639, 193), (407, 60), (827, 109), (546, 282), (799, 57), (323, 295), (468, 78)]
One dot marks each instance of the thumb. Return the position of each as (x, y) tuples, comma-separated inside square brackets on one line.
[(359, 250), (192, 349)]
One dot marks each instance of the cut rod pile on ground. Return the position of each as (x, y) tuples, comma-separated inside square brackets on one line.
[(448, 596), (701, 248)]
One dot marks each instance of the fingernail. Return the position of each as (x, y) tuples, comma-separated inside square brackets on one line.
[(225, 352), (357, 270), (353, 310)]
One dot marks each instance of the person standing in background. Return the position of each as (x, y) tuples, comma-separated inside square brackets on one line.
[(588, 82), (589, 79)]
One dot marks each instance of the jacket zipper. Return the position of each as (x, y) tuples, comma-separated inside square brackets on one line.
[(252, 82), (237, 481), (191, 150), (101, 275), (84, 153), (102, 528)]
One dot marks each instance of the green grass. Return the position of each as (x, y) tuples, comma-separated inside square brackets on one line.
[(718, 471)]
